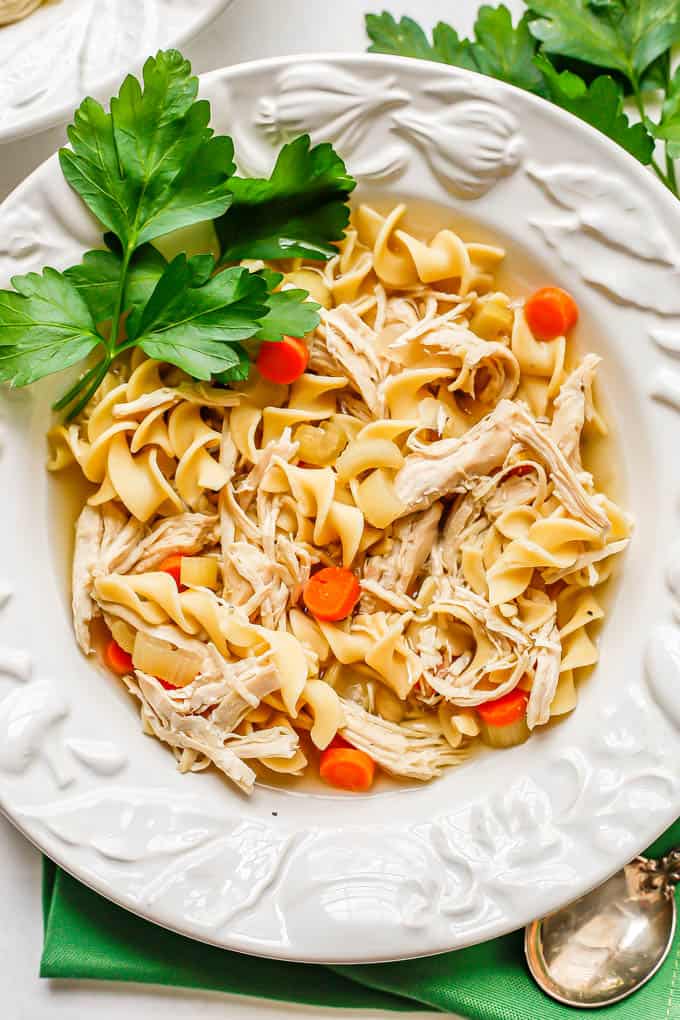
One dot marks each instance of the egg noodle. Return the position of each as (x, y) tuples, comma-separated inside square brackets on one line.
[(432, 446), (15, 10)]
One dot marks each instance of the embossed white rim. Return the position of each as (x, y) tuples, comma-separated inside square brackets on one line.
[(498, 841), (61, 114)]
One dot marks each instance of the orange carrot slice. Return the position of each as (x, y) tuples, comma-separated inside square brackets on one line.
[(347, 768), (283, 362), (550, 312), (117, 659), (506, 710), (332, 593), (339, 741)]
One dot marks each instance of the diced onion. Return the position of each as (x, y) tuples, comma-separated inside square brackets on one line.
[(160, 659), (492, 317), (312, 281), (505, 736), (388, 705), (198, 571), (320, 445)]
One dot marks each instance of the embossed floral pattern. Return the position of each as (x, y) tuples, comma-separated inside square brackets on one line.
[(158, 848), (468, 143), (31, 719), (337, 108), (27, 717), (463, 872), (92, 38), (611, 234)]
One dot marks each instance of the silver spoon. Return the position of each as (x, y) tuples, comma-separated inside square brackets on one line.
[(607, 944)]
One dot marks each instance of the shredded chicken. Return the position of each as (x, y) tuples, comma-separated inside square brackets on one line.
[(573, 408), (203, 716), (283, 449), (400, 749), (352, 345), (500, 376), (412, 540), (463, 513), (89, 531), (546, 675), (253, 581), (105, 538), (190, 532), (567, 484), (199, 733), (449, 465), (375, 592)]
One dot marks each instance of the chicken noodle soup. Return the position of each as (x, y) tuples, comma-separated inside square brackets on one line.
[(432, 447)]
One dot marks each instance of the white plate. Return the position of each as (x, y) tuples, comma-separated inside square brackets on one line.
[(508, 836), (68, 49)]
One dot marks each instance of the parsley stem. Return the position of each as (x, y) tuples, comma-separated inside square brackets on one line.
[(669, 180), (73, 391), (661, 175), (672, 180), (125, 346), (118, 307), (92, 379), (96, 380), (670, 162)]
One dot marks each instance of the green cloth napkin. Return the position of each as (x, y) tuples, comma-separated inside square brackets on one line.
[(88, 937)]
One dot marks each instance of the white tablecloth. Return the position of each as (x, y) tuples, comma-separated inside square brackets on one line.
[(247, 30)]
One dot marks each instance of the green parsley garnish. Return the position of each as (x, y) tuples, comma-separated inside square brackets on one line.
[(558, 50), (149, 166), (296, 213)]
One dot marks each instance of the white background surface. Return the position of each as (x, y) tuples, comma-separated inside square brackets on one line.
[(248, 30)]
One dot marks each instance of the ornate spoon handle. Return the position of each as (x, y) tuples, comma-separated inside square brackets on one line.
[(662, 874)]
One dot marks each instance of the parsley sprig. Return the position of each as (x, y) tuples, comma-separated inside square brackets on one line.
[(148, 166), (558, 50)]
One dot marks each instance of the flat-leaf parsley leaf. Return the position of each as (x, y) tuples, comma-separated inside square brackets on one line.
[(631, 38), (149, 166), (298, 212), (599, 104), (46, 327)]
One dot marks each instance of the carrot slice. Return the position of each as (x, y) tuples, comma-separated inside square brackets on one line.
[(283, 362), (339, 741), (117, 659), (550, 312), (172, 565), (347, 768), (506, 710), (331, 593)]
